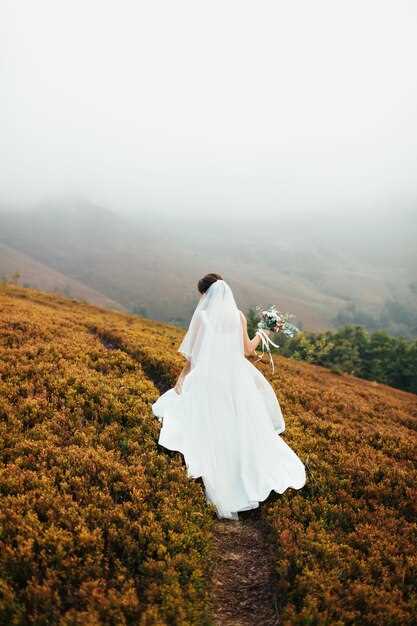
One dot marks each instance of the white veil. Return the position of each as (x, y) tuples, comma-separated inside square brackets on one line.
[(215, 329)]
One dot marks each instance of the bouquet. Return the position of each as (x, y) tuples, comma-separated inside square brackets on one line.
[(272, 319)]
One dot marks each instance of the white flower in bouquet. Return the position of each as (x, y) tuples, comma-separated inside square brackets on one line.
[(272, 319)]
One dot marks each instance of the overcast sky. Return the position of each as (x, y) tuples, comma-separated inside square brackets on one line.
[(229, 105)]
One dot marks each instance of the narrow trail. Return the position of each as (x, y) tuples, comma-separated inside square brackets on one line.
[(244, 574), (243, 580)]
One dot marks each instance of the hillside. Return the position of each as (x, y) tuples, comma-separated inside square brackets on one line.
[(100, 525), (150, 262), (40, 276)]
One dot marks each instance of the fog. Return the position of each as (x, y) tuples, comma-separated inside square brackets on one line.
[(228, 106)]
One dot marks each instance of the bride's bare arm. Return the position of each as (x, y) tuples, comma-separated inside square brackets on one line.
[(249, 345)]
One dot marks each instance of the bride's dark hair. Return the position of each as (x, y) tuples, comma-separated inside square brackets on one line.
[(207, 280)]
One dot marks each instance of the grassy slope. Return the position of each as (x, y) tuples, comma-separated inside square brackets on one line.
[(345, 544), (97, 525)]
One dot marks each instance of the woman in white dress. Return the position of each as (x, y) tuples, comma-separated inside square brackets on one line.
[(222, 414)]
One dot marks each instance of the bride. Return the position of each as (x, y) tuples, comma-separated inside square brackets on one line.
[(222, 414)]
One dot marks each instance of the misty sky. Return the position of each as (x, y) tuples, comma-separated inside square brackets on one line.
[(228, 105)]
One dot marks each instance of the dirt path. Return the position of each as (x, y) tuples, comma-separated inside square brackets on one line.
[(243, 581)]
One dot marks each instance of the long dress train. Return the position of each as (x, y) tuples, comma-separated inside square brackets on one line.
[(226, 423)]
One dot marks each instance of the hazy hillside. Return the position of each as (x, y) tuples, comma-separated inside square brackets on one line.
[(40, 276), (150, 262), (100, 525)]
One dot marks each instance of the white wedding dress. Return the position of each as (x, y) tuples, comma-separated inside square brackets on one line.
[(227, 419)]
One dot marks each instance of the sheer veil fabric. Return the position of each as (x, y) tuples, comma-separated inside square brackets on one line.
[(227, 419)]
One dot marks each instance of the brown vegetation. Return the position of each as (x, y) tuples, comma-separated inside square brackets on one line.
[(99, 525)]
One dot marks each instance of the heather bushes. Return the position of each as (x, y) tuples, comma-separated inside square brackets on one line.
[(153, 347), (346, 542), (98, 525)]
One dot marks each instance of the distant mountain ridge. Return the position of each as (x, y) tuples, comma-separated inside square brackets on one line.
[(150, 264)]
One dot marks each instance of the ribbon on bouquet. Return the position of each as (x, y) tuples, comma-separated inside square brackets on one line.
[(266, 342)]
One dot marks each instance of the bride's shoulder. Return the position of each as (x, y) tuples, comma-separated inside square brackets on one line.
[(243, 318)]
